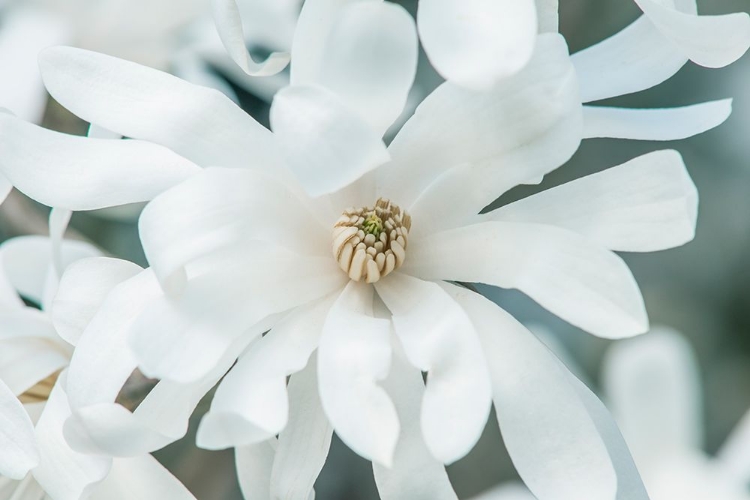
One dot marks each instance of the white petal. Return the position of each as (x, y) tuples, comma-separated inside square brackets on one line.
[(26, 361), (508, 491), (181, 338), (475, 43), (27, 262), (251, 403), (79, 173), (711, 41), (439, 339), (59, 218), (25, 32), (547, 16), (634, 59), (370, 60), (668, 124), (304, 443), (62, 472), (355, 353), (653, 388), (647, 204), (454, 126), (415, 473), (229, 25), (140, 478), (570, 275), (550, 436), (196, 122), (254, 464), (19, 453), (82, 290), (325, 144), (221, 207), (629, 483), (734, 454)]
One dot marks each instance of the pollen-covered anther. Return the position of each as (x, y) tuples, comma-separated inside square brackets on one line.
[(370, 242)]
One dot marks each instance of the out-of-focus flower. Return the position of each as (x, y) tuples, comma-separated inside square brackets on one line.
[(35, 348), (653, 388), (140, 30)]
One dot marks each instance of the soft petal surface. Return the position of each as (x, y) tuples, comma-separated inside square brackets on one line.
[(26, 361), (647, 204), (439, 339), (475, 43), (254, 464), (550, 436), (415, 473), (63, 472), (25, 32), (229, 25), (568, 274), (355, 353), (653, 388), (221, 207), (547, 15), (454, 126), (196, 122), (238, 294), (734, 454), (370, 60), (654, 124), (634, 59), (711, 41), (79, 173), (82, 290), (19, 453), (325, 144), (304, 443), (251, 403), (140, 478)]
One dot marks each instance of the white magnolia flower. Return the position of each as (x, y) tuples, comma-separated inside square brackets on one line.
[(244, 246), (140, 30), (652, 385), (35, 348)]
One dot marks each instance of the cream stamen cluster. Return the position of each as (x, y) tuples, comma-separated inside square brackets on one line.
[(41, 391), (370, 242)]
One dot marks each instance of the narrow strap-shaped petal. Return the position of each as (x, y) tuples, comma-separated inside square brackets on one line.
[(547, 16), (370, 60), (79, 173), (667, 124), (63, 472), (254, 464), (24, 362), (19, 453), (140, 478), (439, 338), (198, 123), (475, 43), (570, 275), (59, 218), (647, 204), (82, 289), (550, 436), (711, 41), (634, 59), (455, 126), (415, 473), (304, 443), (325, 144), (251, 403), (355, 353), (229, 25), (666, 418)]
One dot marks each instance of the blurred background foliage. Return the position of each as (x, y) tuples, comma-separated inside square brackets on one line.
[(702, 289)]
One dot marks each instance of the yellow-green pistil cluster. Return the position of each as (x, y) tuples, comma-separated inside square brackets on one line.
[(370, 242)]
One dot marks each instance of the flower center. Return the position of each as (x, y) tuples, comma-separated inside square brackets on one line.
[(41, 391), (370, 242)]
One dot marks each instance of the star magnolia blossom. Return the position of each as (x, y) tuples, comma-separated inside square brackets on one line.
[(652, 385), (143, 31), (344, 250), (35, 348)]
